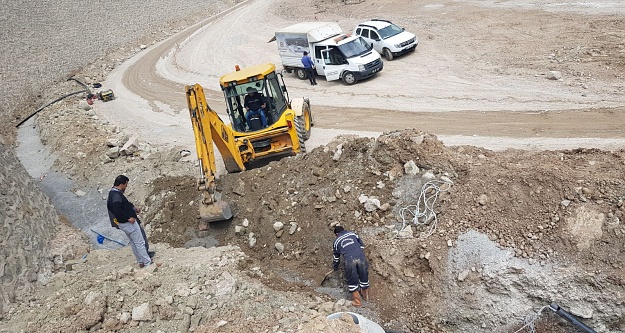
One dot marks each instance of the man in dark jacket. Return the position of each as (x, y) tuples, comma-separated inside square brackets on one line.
[(256, 105), (123, 216), (350, 246)]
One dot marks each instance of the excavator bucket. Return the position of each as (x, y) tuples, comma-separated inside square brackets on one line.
[(217, 211)]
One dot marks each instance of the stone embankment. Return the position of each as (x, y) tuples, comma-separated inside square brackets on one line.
[(43, 44)]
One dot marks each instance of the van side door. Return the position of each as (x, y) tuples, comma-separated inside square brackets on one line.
[(318, 59), (332, 69)]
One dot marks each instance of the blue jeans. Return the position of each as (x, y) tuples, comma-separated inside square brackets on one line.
[(261, 112)]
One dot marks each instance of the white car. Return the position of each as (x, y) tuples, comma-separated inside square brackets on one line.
[(387, 38)]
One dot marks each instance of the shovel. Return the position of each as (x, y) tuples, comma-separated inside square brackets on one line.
[(325, 277)]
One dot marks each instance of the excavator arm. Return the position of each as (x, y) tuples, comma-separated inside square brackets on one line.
[(210, 130), (285, 135)]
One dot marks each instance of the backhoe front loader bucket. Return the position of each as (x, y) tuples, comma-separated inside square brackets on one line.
[(216, 211)]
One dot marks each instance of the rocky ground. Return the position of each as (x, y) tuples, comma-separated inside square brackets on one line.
[(514, 231)]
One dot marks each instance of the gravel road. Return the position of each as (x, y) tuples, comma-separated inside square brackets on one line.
[(452, 97)]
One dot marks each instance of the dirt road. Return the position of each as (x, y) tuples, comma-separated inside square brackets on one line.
[(460, 81)]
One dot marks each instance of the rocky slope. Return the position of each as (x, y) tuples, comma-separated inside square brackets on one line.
[(515, 231)]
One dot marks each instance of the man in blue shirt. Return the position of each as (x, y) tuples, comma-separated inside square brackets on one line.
[(350, 246), (309, 67)]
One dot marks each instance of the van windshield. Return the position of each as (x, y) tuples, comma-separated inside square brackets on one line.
[(389, 31), (355, 48)]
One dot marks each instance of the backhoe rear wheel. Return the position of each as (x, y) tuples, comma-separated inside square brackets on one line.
[(301, 132)]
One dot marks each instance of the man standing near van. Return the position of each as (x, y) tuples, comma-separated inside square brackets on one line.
[(309, 67)]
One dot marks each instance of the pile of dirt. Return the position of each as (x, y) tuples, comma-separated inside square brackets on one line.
[(516, 230), (546, 209), (199, 289)]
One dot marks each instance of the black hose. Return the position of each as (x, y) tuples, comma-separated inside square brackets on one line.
[(79, 82), (570, 318), (56, 100)]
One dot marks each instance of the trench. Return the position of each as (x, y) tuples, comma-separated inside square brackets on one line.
[(84, 207)]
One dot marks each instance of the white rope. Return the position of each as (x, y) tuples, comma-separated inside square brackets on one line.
[(531, 319), (423, 212)]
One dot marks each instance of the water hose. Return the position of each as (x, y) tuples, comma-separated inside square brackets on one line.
[(56, 100), (570, 318)]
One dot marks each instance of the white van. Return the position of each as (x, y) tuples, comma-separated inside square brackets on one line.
[(336, 55)]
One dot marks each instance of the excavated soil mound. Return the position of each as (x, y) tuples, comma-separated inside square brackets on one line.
[(513, 217)]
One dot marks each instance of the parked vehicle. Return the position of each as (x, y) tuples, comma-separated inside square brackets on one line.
[(336, 55), (387, 38)]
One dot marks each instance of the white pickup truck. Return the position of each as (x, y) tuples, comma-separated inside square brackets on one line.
[(387, 38), (335, 55)]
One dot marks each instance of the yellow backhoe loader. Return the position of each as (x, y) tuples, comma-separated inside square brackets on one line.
[(245, 140)]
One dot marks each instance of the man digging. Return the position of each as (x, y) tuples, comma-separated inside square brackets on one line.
[(350, 246)]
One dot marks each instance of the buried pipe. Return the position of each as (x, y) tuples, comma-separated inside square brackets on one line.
[(363, 323), (570, 318), (56, 100)]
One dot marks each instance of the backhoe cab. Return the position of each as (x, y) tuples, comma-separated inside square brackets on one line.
[(241, 142)]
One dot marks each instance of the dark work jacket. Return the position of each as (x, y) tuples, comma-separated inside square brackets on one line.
[(350, 246), (254, 101), (120, 209)]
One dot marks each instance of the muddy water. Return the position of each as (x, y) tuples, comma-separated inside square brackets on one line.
[(85, 208)]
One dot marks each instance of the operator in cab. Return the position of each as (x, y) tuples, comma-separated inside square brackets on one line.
[(255, 105)]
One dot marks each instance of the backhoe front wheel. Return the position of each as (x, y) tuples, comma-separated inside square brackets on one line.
[(300, 128), (306, 120), (301, 73)]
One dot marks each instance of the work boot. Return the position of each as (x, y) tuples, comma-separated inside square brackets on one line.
[(365, 294), (356, 297)]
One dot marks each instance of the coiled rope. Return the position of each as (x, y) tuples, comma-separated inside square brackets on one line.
[(423, 212), (531, 319)]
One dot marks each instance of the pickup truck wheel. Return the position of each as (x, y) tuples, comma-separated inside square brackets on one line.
[(388, 54), (301, 73), (349, 78)]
